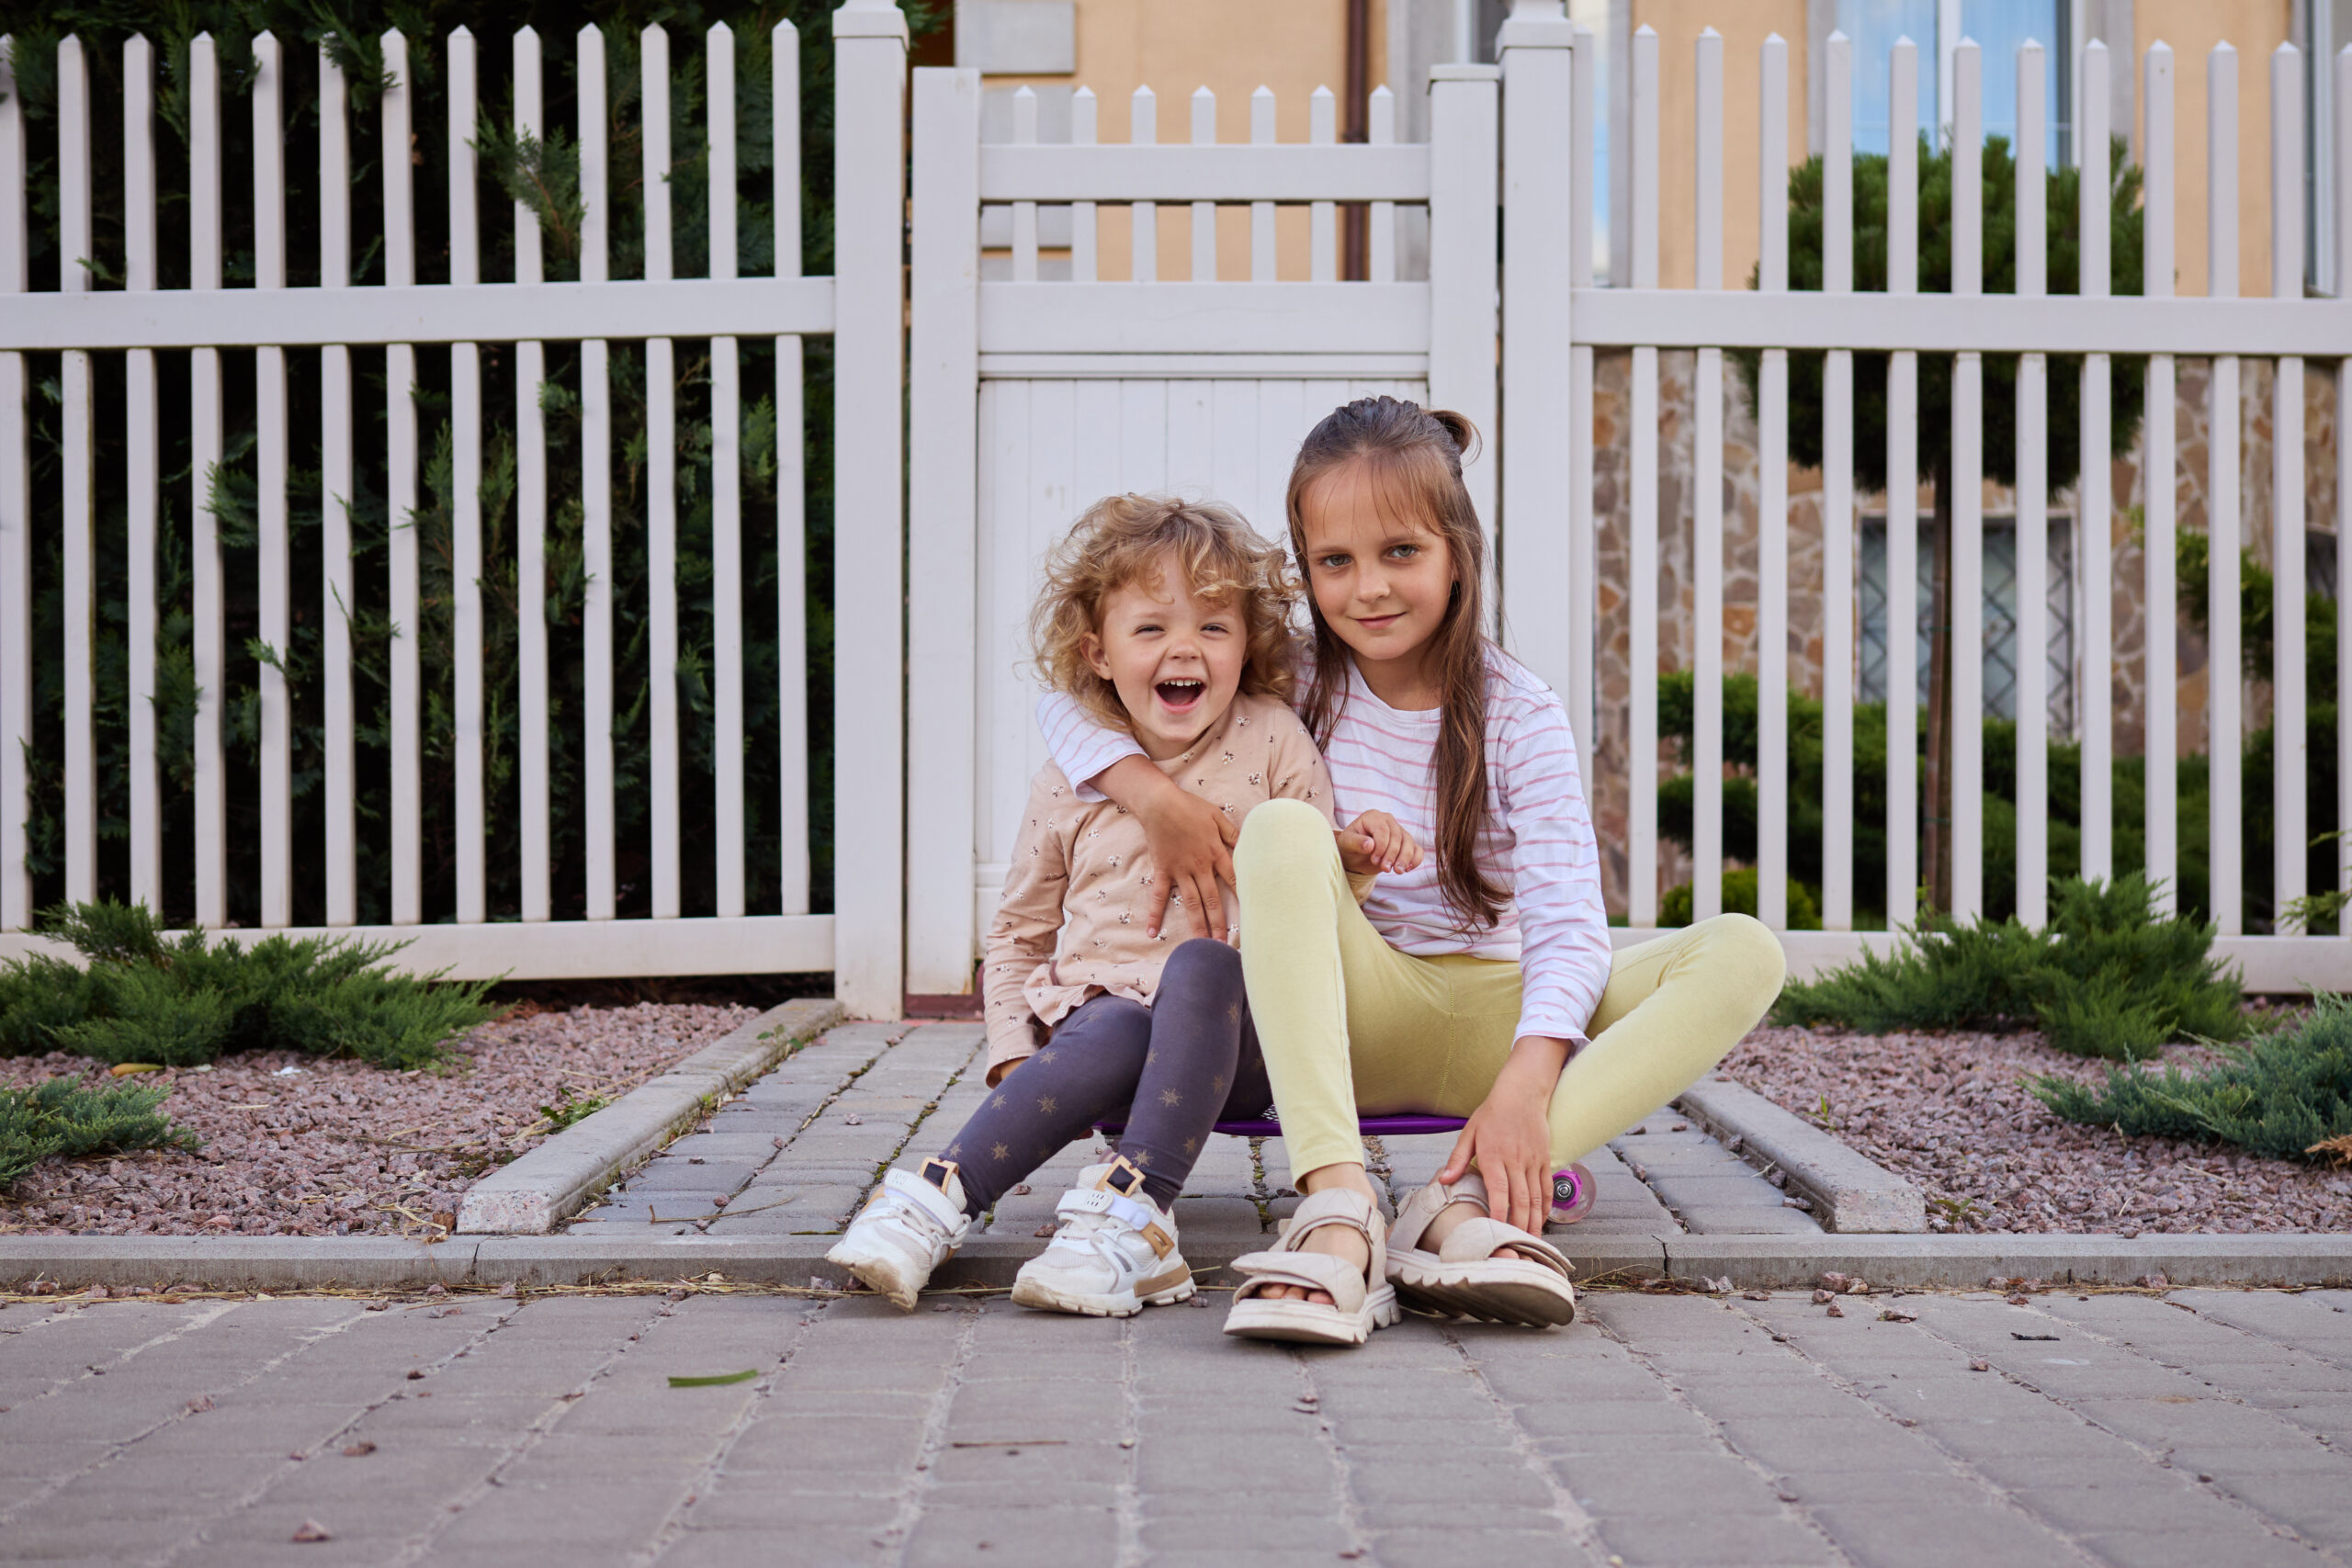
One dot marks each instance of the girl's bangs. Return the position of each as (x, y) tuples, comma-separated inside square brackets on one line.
[(1413, 485)]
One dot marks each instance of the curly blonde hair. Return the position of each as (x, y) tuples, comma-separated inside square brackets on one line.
[(1123, 540)]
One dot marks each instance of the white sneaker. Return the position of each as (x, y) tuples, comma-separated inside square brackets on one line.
[(1115, 1255), (910, 1226)]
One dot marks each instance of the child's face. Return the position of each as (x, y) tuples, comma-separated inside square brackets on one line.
[(1383, 581), (1175, 657)]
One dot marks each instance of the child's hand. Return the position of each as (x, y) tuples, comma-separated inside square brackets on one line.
[(1190, 842), (1377, 841)]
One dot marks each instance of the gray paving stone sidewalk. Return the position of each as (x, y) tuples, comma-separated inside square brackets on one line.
[(798, 1151), (2200, 1428)]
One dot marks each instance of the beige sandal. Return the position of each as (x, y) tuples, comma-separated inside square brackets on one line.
[(1358, 1306), (1463, 1279)]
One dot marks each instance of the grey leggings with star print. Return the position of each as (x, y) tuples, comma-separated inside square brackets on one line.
[(1169, 1070)]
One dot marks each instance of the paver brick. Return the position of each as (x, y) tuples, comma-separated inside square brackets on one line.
[(1700, 1540), (1915, 1535), (1452, 1547), (1082, 1538)]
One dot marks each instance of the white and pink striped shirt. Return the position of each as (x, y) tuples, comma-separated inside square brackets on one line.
[(1539, 841)]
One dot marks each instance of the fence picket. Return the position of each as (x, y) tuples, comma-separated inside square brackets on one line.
[(465, 523), (1837, 503), (2223, 854), (1642, 892), (1024, 213), (791, 477), (2032, 550), (1584, 554), (2289, 830), (341, 804), (2340, 170), (2159, 487), (1772, 504), (595, 487), (1966, 685), (1204, 212), (204, 237), (400, 495), (1381, 130), (141, 477), (1903, 497), (77, 249), (2095, 522), (1085, 236), (534, 831), (1707, 521), (1261, 213), (1323, 216), (15, 522), (660, 481), (1143, 217), (274, 448), (726, 493)]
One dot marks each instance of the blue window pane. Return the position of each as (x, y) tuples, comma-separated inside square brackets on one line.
[(1875, 26), (1999, 26)]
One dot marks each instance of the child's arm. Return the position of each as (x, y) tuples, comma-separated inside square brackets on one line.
[(1372, 843), (1191, 842), (1022, 935)]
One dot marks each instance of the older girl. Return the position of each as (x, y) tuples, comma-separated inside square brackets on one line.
[(1480, 983)]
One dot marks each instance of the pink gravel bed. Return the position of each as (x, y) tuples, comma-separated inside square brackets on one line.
[(1951, 1112), (340, 1148)]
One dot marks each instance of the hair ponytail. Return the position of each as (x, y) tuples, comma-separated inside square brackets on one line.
[(1415, 455)]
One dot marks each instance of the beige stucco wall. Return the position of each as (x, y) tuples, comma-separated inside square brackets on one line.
[(1744, 26), (2191, 28), (1232, 48)]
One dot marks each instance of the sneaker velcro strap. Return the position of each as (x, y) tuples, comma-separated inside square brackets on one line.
[(1100, 1200)]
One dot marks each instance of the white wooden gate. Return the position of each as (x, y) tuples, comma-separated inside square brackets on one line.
[(1034, 396)]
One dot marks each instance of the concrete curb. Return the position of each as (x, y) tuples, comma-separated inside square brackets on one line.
[(1850, 1193), (1964, 1262), (546, 1187), (1749, 1262)]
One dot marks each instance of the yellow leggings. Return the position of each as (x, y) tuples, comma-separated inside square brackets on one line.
[(1348, 1022)]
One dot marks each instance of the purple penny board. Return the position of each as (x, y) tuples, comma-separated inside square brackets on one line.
[(1403, 1126)]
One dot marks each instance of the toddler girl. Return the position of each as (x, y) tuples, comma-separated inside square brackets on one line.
[(1168, 623), (1480, 983)]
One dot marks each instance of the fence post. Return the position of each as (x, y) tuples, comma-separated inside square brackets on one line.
[(16, 525), (1541, 180), (1463, 195), (869, 190), (943, 407)]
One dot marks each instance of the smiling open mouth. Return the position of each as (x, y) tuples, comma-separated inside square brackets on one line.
[(1180, 694)]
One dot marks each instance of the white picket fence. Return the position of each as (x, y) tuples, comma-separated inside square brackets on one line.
[(2285, 327), (1032, 394), (863, 311)]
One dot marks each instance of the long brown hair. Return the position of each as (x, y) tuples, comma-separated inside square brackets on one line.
[(1414, 457)]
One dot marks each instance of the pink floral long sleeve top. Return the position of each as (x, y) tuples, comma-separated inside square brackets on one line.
[(1071, 925)]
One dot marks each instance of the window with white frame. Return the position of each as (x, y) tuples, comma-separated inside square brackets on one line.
[(1937, 27), (2001, 650)]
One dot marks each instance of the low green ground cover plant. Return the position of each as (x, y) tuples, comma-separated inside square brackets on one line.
[(2109, 977), (61, 1118), (2286, 1095), (170, 1001)]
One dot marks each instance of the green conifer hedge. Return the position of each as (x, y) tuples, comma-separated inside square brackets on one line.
[(545, 176)]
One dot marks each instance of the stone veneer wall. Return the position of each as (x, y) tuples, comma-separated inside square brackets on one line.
[(1677, 586)]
